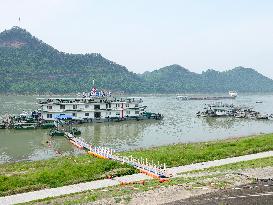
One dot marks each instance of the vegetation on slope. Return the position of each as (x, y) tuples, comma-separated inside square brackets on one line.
[(26, 176), (182, 154), (125, 193), (177, 79), (27, 65)]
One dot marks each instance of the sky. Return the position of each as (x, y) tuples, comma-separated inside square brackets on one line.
[(145, 35)]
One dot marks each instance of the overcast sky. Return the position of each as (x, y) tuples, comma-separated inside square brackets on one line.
[(149, 34)]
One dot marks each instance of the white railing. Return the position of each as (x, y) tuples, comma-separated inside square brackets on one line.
[(141, 164)]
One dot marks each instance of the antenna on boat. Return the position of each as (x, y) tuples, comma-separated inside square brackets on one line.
[(93, 82)]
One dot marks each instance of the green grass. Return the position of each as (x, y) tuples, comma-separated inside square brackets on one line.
[(182, 154), (257, 163), (125, 193), (27, 176)]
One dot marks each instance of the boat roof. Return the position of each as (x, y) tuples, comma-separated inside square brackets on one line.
[(69, 98), (63, 116)]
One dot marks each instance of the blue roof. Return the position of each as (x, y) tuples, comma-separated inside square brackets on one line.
[(63, 117)]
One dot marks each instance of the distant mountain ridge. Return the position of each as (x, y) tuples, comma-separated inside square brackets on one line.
[(179, 79), (28, 65)]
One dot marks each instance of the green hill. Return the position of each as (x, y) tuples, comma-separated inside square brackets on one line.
[(175, 78), (172, 78), (240, 79), (28, 65)]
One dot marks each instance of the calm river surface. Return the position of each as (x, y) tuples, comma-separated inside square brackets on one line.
[(180, 125)]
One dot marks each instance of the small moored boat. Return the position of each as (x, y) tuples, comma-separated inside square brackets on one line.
[(55, 132), (25, 126), (75, 131), (47, 125)]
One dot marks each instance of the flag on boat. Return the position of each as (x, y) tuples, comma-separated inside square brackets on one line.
[(93, 91)]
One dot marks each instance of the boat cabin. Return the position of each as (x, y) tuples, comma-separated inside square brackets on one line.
[(92, 108)]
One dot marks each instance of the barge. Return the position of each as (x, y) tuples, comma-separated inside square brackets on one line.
[(230, 110), (232, 95)]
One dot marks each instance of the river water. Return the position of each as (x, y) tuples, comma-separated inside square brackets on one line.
[(180, 125)]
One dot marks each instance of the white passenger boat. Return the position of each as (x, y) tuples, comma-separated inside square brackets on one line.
[(95, 107), (233, 94)]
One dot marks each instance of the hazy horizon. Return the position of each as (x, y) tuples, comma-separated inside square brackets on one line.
[(145, 36)]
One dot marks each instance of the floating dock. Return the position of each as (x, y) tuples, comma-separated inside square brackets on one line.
[(150, 169)]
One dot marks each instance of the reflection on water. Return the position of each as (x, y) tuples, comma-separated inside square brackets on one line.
[(180, 124), (37, 144), (118, 135), (224, 122)]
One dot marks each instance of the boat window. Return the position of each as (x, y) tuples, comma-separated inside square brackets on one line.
[(127, 112), (117, 113), (86, 106), (49, 115), (127, 105), (74, 114), (62, 106), (75, 107), (97, 114), (96, 107), (49, 107), (136, 105), (137, 112), (86, 114)]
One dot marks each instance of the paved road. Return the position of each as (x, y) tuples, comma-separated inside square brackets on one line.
[(259, 193), (220, 162), (75, 188)]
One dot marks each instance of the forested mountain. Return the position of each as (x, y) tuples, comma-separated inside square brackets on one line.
[(27, 65), (175, 78), (172, 78)]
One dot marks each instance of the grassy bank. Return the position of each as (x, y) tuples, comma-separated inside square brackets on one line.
[(182, 154), (26, 176), (126, 193)]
